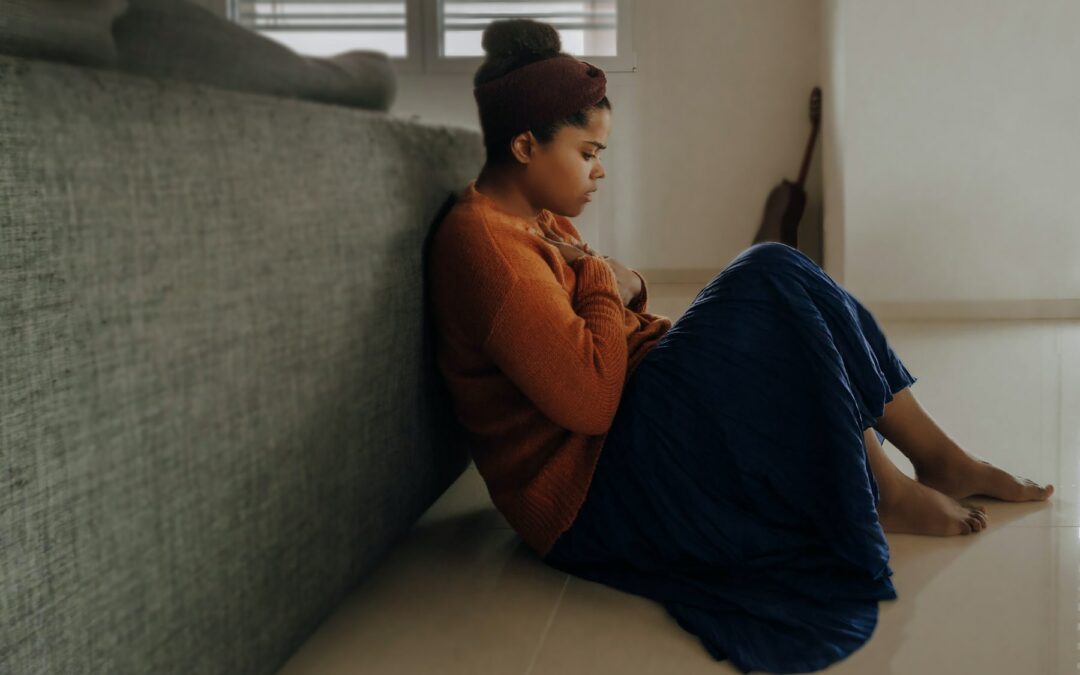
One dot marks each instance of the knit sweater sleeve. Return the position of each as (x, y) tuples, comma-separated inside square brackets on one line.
[(567, 355)]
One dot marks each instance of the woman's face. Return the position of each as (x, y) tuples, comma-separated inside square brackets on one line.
[(561, 175)]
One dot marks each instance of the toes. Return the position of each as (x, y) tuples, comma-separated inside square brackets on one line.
[(1034, 491), (1039, 491), (1028, 490), (976, 517)]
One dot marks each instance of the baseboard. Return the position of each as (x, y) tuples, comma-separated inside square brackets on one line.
[(682, 275), (1035, 308), (1025, 308)]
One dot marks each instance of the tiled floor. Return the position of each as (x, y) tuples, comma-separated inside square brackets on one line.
[(463, 595)]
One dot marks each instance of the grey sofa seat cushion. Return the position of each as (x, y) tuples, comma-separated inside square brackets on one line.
[(179, 39), (77, 31)]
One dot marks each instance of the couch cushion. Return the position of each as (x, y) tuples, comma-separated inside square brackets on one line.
[(179, 39), (65, 30), (218, 404)]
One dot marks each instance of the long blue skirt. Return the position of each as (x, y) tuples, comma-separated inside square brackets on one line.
[(734, 486)]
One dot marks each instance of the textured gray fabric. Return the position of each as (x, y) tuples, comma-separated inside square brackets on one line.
[(179, 39), (218, 404), (76, 31)]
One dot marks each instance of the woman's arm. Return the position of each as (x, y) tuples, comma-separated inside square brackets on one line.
[(567, 355), (640, 299)]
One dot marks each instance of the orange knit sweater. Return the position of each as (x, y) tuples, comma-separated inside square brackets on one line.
[(535, 353)]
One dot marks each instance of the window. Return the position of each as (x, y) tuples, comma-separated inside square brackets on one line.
[(437, 35), (322, 28)]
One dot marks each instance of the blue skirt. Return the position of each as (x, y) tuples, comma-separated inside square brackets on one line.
[(733, 486)]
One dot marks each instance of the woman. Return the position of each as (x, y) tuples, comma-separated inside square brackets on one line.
[(728, 466)]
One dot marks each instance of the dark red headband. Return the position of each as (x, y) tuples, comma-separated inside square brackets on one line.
[(538, 93)]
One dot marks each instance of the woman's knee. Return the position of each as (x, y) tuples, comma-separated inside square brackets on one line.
[(761, 258), (772, 253)]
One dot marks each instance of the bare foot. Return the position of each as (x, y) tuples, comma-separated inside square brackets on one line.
[(911, 507), (961, 475)]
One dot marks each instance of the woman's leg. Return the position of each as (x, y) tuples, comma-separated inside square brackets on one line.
[(941, 463), (911, 507)]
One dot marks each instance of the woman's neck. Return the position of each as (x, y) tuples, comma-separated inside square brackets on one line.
[(506, 192)]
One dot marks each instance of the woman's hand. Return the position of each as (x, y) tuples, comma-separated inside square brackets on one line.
[(629, 284), (585, 247), (569, 251)]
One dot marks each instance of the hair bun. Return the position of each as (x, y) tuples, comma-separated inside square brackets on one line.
[(520, 37)]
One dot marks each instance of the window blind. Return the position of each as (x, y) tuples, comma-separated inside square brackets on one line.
[(586, 27), (323, 27)]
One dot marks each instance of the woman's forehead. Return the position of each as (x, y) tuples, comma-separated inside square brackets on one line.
[(592, 137), (596, 131)]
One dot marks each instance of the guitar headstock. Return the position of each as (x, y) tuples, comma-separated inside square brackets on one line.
[(815, 105)]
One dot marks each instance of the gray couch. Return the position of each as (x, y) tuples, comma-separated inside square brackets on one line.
[(218, 404)]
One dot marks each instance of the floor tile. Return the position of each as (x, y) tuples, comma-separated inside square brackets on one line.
[(462, 594), (468, 496), (997, 602), (457, 597), (999, 389)]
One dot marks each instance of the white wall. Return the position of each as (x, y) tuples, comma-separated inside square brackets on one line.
[(716, 114), (714, 117), (954, 161), (832, 155), (946, 162)]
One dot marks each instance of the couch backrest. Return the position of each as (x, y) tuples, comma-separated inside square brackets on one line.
[(218, 406)]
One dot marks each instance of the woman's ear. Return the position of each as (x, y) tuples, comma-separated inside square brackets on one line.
[(522, 146)]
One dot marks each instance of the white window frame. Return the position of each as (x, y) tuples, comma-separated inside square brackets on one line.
[(423, 42), (415, 12)]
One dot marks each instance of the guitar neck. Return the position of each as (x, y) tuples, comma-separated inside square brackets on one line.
[(805, 169)]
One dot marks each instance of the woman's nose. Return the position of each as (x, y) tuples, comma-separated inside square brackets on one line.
[(599, 173)]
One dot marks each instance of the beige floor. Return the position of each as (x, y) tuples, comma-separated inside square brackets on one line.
[(462, 594)]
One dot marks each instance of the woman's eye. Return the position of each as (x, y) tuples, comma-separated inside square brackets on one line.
[(587, 155)]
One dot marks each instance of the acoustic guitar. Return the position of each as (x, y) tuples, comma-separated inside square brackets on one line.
[(787, 201)]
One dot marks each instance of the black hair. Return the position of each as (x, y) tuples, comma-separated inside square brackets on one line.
[(510, 44)]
